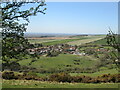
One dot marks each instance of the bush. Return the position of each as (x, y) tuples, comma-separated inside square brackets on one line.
[(9, 75), (86, 79), (29, 78), (60, 77), (14, 66), (64, 77), (77, 79), (94, 80)]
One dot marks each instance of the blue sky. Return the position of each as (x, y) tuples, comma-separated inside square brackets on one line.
[(76, 17)]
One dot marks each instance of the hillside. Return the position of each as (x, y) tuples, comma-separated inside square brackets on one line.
[(88, 63), (77, 56)]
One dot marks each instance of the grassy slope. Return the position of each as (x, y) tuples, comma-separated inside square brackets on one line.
[(58, 63), (39, 84), (61, 61)]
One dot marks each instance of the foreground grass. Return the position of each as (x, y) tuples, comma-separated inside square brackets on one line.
[(40, 84)]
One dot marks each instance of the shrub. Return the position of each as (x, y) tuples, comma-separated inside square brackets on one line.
[(29, 78), (86, 79), (94, 80), (114, 78), (9, 75), (77, 79), (60, 77)]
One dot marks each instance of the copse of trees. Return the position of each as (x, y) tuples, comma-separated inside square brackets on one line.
[(14, 44)]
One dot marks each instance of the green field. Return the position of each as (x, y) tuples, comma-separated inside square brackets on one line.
[(66, 63), (61, 62), (39, 84)]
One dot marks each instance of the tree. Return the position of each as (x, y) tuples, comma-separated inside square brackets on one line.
[(113, 41), (14, 44)]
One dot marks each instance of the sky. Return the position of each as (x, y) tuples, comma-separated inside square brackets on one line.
[(76, 18)]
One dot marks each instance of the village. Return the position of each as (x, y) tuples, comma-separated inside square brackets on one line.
[(60, 48), (64, 49)]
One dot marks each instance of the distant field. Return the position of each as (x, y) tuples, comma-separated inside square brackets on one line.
[(49, 39), (40, 84), (88, 40), (73, 40)]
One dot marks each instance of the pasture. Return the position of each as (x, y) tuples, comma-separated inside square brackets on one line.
[(73, 64), (62, 62)]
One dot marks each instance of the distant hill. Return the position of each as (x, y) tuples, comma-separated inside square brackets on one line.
[(47, 34)]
